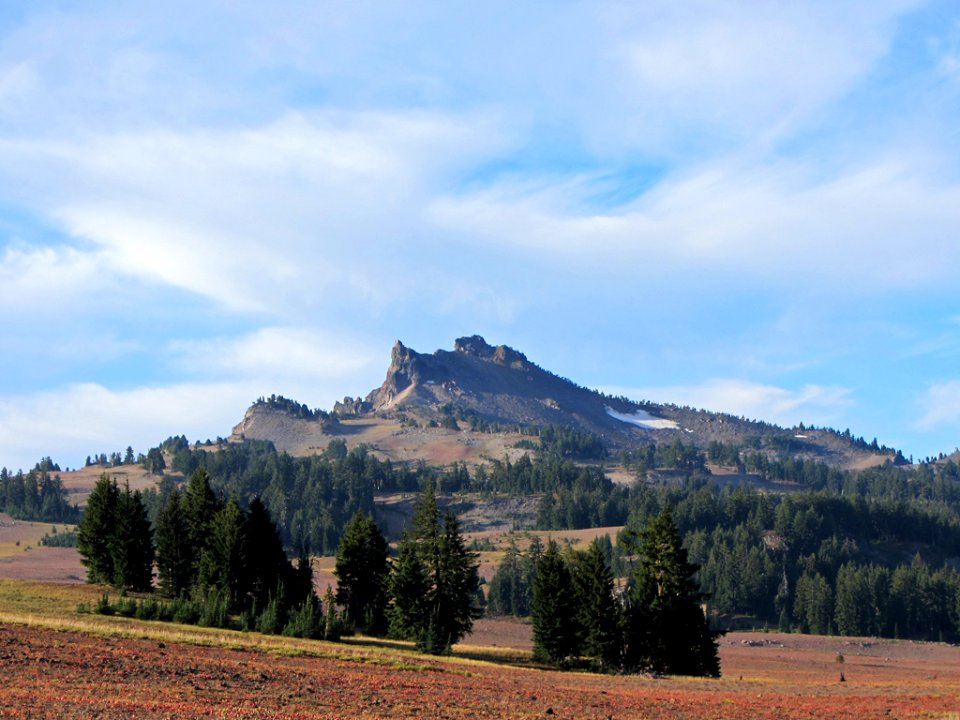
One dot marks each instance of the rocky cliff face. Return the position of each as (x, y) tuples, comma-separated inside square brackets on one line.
[(501, 387), (494, 383)]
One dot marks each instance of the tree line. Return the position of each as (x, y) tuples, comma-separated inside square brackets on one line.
[(652, 620), (36, 495), (220, 564), (214, 559)]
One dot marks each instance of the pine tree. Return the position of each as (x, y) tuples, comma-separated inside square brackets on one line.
[(409, 585), (435, 581), (132, 543), (175, 556), (553, 609), (667, 629), (454, 595), (362, 571), (506, 594), (96, 531), (598, 612), (223, 560), (200, 506), (265, 567)]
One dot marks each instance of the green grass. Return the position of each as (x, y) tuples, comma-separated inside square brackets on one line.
[(54, 606)]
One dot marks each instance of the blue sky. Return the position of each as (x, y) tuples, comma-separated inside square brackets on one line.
[(750, 207)]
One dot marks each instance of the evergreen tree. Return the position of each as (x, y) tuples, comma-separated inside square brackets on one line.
[(132, 543), (553, 610), (853, 603), (153, 462), (175, 553), (667, 629), (435, 583), (454, 594), (200, 506), (96, 531), (598, 612), (409, 585), (264, 566), (223, 561), (813, 604), (362, 571), (506, 595)]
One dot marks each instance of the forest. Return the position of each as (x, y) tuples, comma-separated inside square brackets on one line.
[(830, 551), (36, 495)]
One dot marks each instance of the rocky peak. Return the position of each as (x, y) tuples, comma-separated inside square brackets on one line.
[(404, 368), (478, 347), (473, 345)]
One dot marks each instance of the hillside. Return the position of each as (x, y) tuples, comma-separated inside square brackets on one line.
[(473, 402)]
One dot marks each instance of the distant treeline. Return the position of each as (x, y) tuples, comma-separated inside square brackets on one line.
[(36, 495), (875, 563), (887, 537), (311, 499)]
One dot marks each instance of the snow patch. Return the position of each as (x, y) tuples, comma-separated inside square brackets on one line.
[(641, 418)]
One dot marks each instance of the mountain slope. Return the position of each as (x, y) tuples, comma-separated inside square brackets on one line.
[(427, 402)]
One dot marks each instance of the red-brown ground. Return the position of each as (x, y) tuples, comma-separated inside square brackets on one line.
[(56, 674)]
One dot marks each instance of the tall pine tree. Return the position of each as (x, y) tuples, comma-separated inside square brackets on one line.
[(132, 543), (598, 611), (435, 581), (667, 629), (96, 531), (553, 609), (175, 554), (362, 571)]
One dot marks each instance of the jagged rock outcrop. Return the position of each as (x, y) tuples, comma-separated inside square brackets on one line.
[(496, 384), (498, 387)]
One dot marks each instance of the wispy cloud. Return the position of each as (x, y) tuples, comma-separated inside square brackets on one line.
[(276, 354), (748, 220), (278, 217), (939, 407), (83, 419), (46, 280), (809, 404)]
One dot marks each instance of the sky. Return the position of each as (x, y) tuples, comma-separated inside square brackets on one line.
[(750, 207)]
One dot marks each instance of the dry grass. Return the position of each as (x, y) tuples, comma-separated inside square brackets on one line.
[(79, 483), (18, 535), (58, 663)]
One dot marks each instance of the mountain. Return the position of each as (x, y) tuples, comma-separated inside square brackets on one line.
[(478, 400)]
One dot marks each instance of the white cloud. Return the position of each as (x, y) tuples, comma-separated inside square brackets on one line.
[(71, 422), (886, 225), (809, 404), (83, 419), (278, 218), (46, 280), (276, 353), (939, 406), (755, 70)]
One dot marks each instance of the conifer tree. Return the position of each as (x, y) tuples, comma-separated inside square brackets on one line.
[(553, 609), (506, 594), (454, 595), (174, 551), (96, 531), (667, 630), (598, 612), (435, 580), (132, 543), (409, 585), (264, 565), (200, 505), (223, 560), (362, 571)]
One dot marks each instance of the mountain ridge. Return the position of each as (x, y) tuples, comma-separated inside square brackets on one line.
[(497, 388)]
